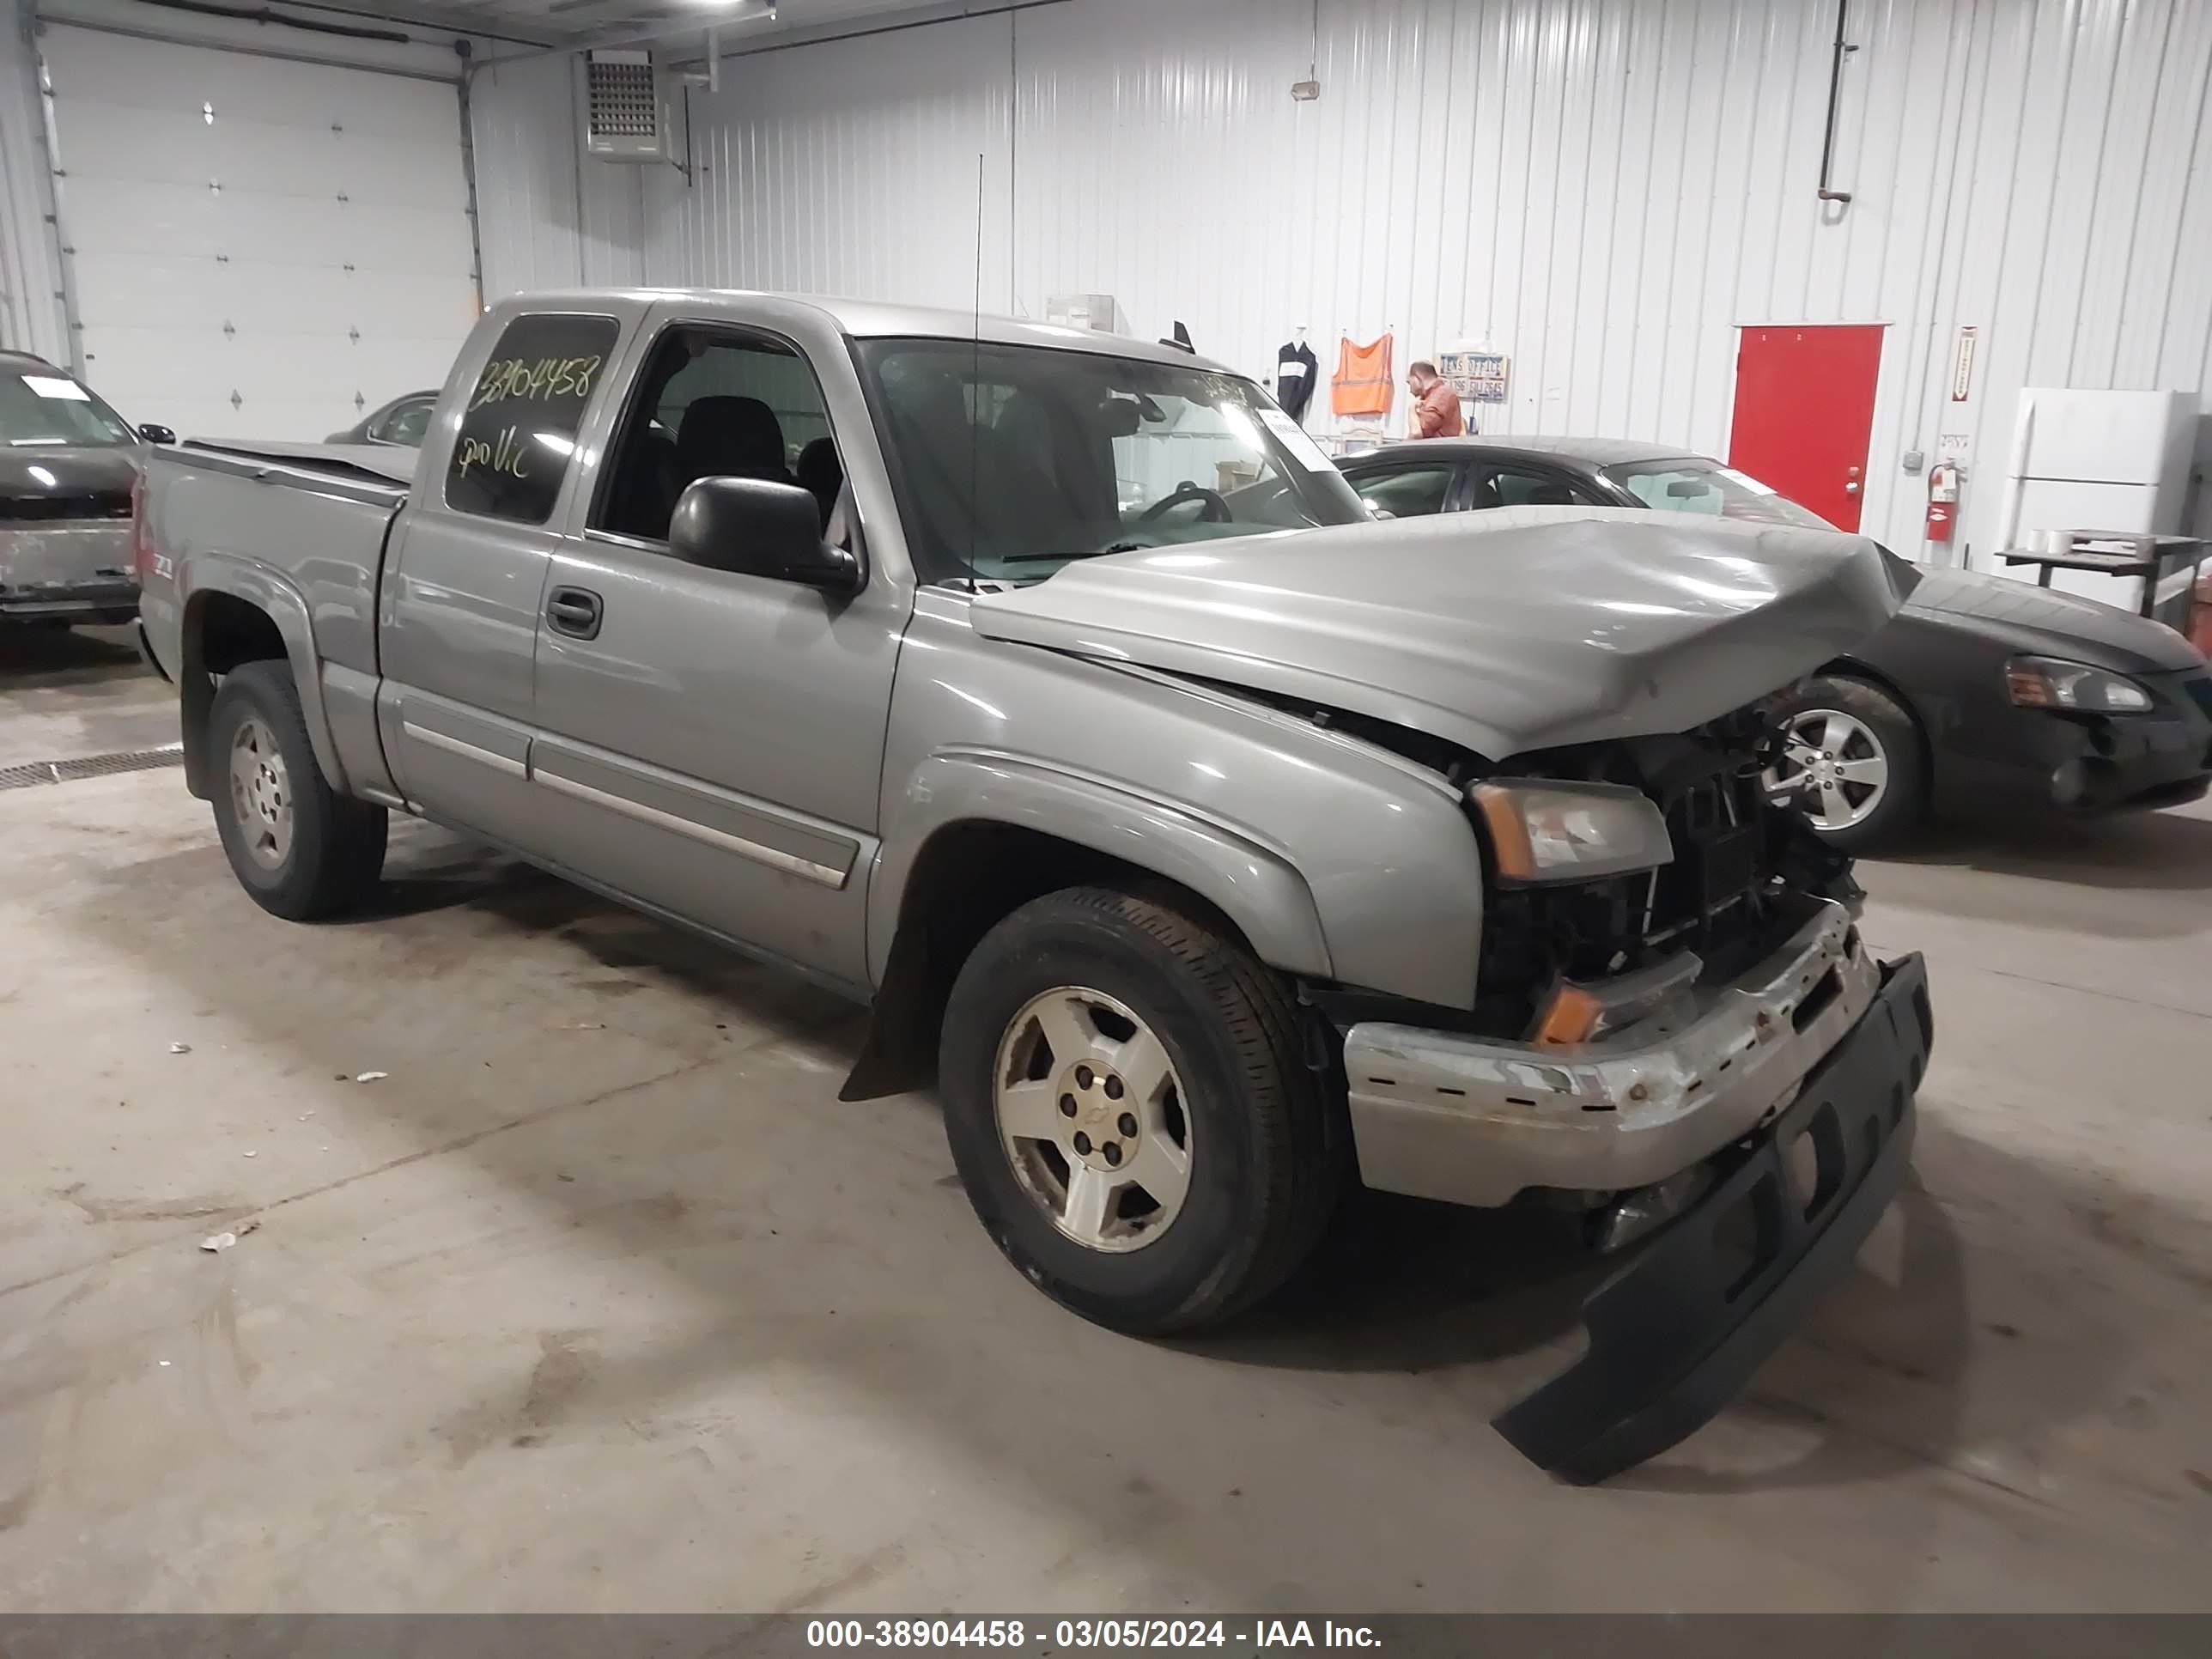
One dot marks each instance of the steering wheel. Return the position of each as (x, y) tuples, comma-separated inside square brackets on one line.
[(1216, 510)]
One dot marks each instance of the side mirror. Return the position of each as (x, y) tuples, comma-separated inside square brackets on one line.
[(158, 434), (756, 528)]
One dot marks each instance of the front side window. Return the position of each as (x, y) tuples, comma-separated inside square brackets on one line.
[(710, 405), (43, 408), (520, 426), (1012, 461), (1693, 484), (1411, 492)]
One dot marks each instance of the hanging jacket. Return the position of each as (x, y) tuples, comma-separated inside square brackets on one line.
[(1296, 370), (1363, 379)]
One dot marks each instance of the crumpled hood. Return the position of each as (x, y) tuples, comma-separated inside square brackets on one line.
[(2031, 618), (1501, 631)]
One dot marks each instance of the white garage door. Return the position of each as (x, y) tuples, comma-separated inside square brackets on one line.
[(262, 248)]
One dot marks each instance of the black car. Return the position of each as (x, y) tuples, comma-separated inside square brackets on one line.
[(1983, 695), (402, 421)]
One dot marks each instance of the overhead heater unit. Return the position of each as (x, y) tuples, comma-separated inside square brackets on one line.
[(628, 111)]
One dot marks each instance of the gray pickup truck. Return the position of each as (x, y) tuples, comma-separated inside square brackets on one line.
[(1207, 844)]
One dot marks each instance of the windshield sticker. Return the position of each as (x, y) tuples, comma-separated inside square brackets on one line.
[(52, 386), (1748, 482), (1295, 438)]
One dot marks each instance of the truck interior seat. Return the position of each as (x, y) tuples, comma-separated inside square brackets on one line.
[(821, 471), (642, 497), (729, 437)]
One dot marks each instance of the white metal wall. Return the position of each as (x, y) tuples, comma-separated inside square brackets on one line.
[(848, 167), (31, 316), (548, 216), (1604, 188)]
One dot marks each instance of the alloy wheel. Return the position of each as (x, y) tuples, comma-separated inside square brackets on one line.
[(1833, 766), (1091, 1116), (260, 793)]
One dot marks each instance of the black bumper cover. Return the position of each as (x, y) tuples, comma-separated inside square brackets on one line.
[(1678, 1331)]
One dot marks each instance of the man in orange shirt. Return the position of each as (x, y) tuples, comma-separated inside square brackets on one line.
[(1435, 404)]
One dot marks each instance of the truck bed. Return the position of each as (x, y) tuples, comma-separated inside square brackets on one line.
[(384, 468), (309, 521)]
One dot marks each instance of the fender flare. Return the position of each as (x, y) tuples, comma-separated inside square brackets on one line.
[(1256, 886), (272, 593)]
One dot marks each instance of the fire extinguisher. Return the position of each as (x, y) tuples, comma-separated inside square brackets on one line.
[(1942, 500)]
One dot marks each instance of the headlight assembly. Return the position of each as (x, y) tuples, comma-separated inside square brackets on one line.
[(2050, 683), (1542, 831)]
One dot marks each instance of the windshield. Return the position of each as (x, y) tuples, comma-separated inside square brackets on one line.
[(46, 407), (1690, 484), (1010, 461)]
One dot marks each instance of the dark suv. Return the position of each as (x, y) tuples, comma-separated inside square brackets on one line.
[(69, 464)]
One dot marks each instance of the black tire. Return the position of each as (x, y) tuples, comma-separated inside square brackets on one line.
[(1264, 1168), (335, 855), (1890, 727)]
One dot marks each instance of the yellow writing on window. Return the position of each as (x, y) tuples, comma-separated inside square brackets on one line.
[(538, 378), (506, 454)]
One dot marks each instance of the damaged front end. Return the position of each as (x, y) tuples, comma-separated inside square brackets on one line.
[(1698, 1050)]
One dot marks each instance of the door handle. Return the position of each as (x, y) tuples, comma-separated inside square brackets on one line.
[(1851, 490), (575, 611)]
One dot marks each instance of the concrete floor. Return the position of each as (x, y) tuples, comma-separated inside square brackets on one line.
[(601, 1300)]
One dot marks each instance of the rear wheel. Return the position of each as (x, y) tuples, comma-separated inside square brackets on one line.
[(1131, 1113), (300, 850), (1851, 759)]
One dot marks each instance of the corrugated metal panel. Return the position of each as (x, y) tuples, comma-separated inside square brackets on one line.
[(548, 215), (847, 167), (1605, 189), (32, 316)]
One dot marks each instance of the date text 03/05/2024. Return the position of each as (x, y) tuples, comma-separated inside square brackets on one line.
[(1064, 1634)]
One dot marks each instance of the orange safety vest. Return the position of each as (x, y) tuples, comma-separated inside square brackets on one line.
[(1363, 381)]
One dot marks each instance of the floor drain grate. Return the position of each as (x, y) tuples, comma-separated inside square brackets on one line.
[(90, 766)]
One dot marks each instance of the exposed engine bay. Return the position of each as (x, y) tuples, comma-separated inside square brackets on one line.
[(1733, 890), (1735, 887)]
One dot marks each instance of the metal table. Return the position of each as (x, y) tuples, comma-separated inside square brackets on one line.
[(2167, 565)]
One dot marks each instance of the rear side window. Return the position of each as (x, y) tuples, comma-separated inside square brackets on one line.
[(1508, 486), (519, 427), (406, 424), (1413, 492)]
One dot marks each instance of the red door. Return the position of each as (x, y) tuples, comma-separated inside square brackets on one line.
[(1804, 409)]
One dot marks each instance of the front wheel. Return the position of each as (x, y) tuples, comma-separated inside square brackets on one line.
[(1131, 1113), (1851, 759), (302, 850)]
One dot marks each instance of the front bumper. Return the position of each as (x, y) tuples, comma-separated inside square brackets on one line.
[(1680, 1329), (1442, 1115), (2035, 760)]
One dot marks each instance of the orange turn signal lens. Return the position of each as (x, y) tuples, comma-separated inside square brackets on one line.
[(1509, 831), (1570, 1015)]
